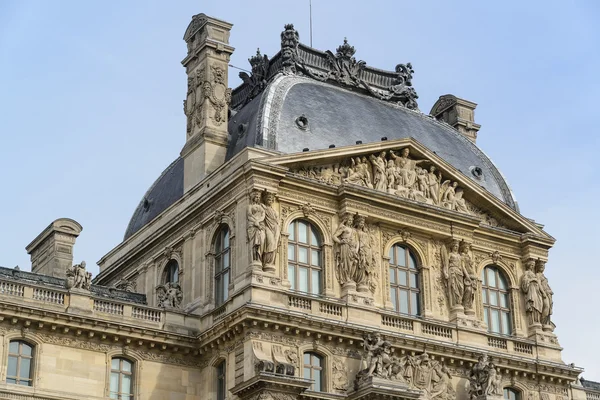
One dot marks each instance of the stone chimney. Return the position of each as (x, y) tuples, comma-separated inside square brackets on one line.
[(52, 250), (207, 100), (458, 113)]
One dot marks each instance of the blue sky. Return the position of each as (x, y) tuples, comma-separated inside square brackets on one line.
[(91, 110)]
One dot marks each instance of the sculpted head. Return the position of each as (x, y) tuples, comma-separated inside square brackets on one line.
[(364, 159), (255, 196), (382, 154), (83, 264), (530, 264), (347, 219), (454, 246), (432, 169), (540, 266), (268, 198), (405, 152), (360, 221), (465, 247)]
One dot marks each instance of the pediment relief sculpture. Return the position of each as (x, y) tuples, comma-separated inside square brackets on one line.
[(484, 379), (418, 372), (396, 173)]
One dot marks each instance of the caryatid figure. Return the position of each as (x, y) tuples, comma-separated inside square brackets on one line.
[(272, 231), (255, 216)]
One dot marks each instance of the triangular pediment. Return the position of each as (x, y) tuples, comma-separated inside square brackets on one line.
[(411, 172)]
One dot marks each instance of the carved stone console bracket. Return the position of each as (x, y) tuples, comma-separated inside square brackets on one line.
[(373, 388), (271, 386)]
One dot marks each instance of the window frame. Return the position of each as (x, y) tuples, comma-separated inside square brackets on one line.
[(314, 369), (220, 270), (396, 287), (19, 357), (121, 373), (221, 380), (171, 271), (508, 390), (294, 265), (488, 292)]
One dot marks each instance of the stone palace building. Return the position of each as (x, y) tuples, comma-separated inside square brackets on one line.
[(318, 237)]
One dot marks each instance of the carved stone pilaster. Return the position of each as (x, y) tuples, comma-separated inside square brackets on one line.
[(387, 300), (427, 295), (283, 256), (328, 270)]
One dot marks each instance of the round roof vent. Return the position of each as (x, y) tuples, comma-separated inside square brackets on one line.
[(302, 122)]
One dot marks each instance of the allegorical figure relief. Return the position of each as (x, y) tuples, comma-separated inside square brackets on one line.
[(547, 293), (366, 264), (470, 279), (531, 288), (272, 231), (78, 277), (484, 379), (456, 276), (262, 228), (169, 295), (346, 250), (418, 372), (396, 174)]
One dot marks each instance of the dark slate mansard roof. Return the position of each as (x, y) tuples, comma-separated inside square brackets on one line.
[(305, 98)]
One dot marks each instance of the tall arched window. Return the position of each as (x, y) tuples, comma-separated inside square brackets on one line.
[(172, 272), (404, 280), (496, 301), (305, 260), (313, 369), (512, 394), (221, 381), (222, 265), (121, 379), (20, 363)]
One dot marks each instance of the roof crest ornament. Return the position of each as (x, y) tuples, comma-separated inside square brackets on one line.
[(258, 80)]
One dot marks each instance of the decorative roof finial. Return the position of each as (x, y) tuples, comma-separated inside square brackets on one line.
[(345, 50)]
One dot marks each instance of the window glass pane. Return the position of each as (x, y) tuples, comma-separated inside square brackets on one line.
[(495, 321), (25, 349), (303, 279), (314, 240), (226, 286), (126, 384), (393, 297), (226, 239), (413, 280), (503, 300), (392, 275), (402, 278), (226, 260), (484, 293), (493, 297), (13, 381), (317, 378), (505, 323), (306, 373), (291, 252), (392, 256), (314, 258), (401, 261), (218, 264), (485, 316), (501, 282), (292, 276), (307, 359), (114, 382), (414, 303), (404, 301), (491, 273), (303, 255), (218, 243), (315, 282), (316, 360), (24, 383), (483, 277), (411, 262), (114, 364), (302, 232), (126, 366), (25, 368), (12, 366), (291, 230), (13, 348)]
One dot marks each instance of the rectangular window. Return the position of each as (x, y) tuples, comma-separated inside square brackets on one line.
[(404, 301)]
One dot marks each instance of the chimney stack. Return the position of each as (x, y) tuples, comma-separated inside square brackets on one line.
[(207, 100), (458, 113), (52, 250)]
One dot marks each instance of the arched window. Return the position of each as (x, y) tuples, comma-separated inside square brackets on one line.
[(172, 272), (313, 369), (404, 280), (20, 363), (221, 382), (305, 260), (121, 379), (222, 265), (512, 394), (496, 301)]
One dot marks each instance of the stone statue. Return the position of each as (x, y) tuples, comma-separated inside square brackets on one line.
[(78, 278), (346, 250), (406, 166), (484, 379), (364, 272), (255, 230), (531, 288), (379, 171), (169, 295), (272, 231), (547, 293), (470, 279), (454, 274), (434, 182)]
